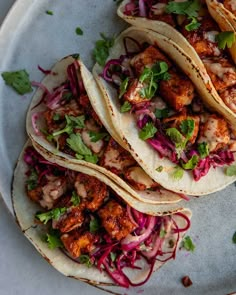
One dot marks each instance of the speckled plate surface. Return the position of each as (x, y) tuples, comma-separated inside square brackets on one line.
[(30, 37)]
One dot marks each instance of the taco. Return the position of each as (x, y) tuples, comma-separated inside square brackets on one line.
[(61, 122), (190, 25), (87, 228), (167, 124)]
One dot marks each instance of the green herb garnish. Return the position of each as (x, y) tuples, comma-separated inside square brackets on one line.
[(94, 225), (79, 31), (159, 169), (175, 135), (102, 48), (231, 170), (177, 173), (53, 214), (53, 240), (203, 149), (123, 87), (56, 117), (187, 127), (193, 25), (162, 233), (224, 39), (234, 238), (126, 106), (96, 136), (161, 113), (84, 259), (76, 143), (75, 199), (191, 164), (71, 123), (148, 131), (49, 12), (32, 180), (113, 256), (18, 80), (188, 244)]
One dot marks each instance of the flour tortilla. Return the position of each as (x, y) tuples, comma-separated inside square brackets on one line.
[(59, 75), (25, 210), (125, 123)]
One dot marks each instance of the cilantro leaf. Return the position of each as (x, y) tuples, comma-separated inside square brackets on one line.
[(191, 164), (75, 199), (96, 136), (231, 170), (123, 87), (226, 38), (177, 173), (125, 107), (162, 233), (53, 214), (159, 169), (76, 143), (188, 244), (94, 225), (71, 123), (56, 117), (161, 113), (18, 80), (189, 8), (187, 127), (49, 12), (203, 149), (32, 180), (234, 238), (193, 25), (79, 31), (102, 48), (91, 158), (84, 259), (53, 240), (148, 131), (175, 135), (113, 256)]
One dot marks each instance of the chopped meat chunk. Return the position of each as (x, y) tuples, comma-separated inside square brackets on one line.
[(77, 243), (178, 91), (35, 194), (203, 38), (53, 190), (138, 178), (222, 73), (115, 220), (115, 158), (229, 98), (147, 58), (175, 121), (96, 147), (186, 281), (91, 190), (134, 94), (215, 133), (71, 219)]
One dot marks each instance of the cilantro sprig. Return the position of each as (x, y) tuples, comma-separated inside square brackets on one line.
[(203, 149), (32, 180), (123, 87), (71, 123), (96, 136), (188, 244), (231, 170), (189, 8), (85, 259), (53, 239), (224, 39), (18, 80), (102, 48), (177, 173), (53, 214), (148, 131), (75, 199), (125, 107), (94, 225)]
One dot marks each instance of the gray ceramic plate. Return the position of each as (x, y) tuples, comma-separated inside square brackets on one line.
[(30, 37)]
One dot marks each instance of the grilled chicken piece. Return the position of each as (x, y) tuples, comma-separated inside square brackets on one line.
[(215, 133), (178, 91), (175, 121), (91, 190), (35, 194), (230, 5), (158, 13), (77, 243), (115, 220), (138, 178), (71, 219), (222, 73), (229, 98), (52, 191), (147, 59), (133, 93), (96, 147), (203, 38), (115, 158)]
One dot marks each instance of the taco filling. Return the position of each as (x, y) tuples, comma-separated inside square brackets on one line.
[(72, 126), (169, 114), (194, 22), (94, 226)]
